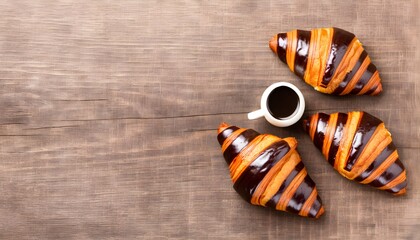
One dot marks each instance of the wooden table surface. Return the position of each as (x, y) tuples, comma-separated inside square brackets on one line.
[(109, 112)]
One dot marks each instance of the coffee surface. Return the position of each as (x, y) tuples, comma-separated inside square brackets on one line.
[(282, 102)]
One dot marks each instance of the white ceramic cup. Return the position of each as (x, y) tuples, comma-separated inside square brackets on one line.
[(279, 122)]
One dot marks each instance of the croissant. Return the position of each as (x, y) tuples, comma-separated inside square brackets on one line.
[(331, 60), (267, 171), (360, 148)]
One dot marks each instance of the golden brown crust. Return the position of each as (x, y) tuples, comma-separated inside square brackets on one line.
[(373, 81), (347, 139), (356, 77), (350, 59), (273, 43), (320, 212), (314, 120), (233, 137), (386, 164), (329, 135), (222, 127), (288, 193), (249, 154), (291, 49), (308, 204)]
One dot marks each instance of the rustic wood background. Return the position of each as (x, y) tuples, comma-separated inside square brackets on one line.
[(109, 112)]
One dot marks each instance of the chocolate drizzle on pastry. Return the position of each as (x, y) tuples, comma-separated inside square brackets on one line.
[(331, 60), (267, 171), (360, 148)]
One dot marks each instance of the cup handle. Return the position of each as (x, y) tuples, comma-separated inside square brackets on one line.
[(256, 114)]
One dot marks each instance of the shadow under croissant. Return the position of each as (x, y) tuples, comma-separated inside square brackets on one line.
[(267, 170)]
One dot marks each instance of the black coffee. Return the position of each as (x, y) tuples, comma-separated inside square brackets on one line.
[(282, 102)]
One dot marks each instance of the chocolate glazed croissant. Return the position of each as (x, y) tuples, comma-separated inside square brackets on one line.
[(267, 171), (331, 60), (360, 148)]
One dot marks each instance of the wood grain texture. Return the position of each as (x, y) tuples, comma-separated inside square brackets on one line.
[(109, 112)]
